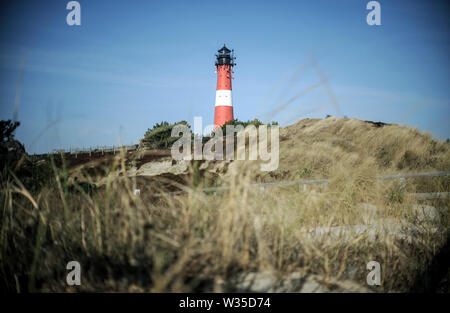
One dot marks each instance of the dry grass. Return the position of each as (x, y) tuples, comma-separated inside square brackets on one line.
[(189, 243), (323, 146)]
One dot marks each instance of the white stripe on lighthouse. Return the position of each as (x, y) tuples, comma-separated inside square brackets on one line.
[(223, 97)]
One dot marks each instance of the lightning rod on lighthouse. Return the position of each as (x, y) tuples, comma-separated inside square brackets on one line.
[(224, 102)]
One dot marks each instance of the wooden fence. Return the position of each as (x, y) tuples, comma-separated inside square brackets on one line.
[(98, 149), (401, 177)]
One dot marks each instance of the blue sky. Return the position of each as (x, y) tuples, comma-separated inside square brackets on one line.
[(134, 63)]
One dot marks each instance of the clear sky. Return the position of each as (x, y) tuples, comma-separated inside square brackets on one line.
[(134, 63)]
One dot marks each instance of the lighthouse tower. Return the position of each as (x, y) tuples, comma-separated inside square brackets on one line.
[(224, 103)]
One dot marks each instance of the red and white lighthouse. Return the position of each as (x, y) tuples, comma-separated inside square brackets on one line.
[(224, 102)]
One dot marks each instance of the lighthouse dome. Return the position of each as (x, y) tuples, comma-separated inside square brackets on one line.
[(224, 50), (224, 57)]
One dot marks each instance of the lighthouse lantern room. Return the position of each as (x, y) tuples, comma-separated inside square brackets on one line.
[(224, 103)]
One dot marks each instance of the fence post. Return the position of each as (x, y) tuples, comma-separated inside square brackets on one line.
[(403, 183)]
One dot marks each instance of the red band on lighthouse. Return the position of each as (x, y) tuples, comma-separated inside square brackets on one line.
[(224, 101)]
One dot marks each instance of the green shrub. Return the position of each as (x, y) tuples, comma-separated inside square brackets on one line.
[(236, 122), (160, 135)]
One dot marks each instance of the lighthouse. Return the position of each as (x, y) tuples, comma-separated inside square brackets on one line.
[(224, 102)]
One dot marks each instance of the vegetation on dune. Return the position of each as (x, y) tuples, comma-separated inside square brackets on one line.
[(7, 129), (255, 122), (159, 136), (203, 241), (317, 148), (10, 149)]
